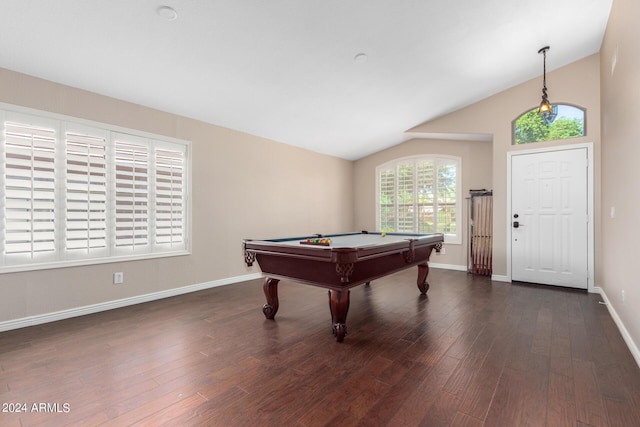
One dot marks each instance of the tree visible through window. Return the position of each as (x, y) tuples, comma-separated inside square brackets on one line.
[(529, 127), (420, 195)]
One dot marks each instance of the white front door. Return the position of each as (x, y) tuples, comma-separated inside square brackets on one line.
[(549, 218)]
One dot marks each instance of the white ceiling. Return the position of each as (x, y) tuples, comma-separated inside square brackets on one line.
[(286, 69)]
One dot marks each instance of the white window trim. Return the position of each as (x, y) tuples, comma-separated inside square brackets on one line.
[(448, 238), (64, 258)]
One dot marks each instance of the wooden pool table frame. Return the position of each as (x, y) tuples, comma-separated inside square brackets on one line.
[(338, 268)]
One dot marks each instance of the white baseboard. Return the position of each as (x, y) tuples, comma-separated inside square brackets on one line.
[(494, 277), (448, 266), (110, 305), (633, 347)]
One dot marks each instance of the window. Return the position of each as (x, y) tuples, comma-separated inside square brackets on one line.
[(569, 123), (29, 189), (420, 195), (76, 192), (86, 191), (132, 193)]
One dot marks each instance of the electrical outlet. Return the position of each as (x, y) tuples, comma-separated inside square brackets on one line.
[(623, 296), (118, 278), (442, 251)]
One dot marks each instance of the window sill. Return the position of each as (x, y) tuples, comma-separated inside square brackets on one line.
[(87, 262)]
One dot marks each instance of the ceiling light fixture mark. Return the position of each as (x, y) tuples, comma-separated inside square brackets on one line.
[(167, 13), (361, 57)]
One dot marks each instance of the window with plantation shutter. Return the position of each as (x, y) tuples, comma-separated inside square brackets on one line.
[(387, 199), (169, 182), (29, 189), (76, 192), (86, 191), (405, 208), (425, 196), (420, 195), (132, 194), (448, 194)]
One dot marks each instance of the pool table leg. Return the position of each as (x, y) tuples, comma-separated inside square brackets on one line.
[(423, 271), (270, 288), (339, 305)]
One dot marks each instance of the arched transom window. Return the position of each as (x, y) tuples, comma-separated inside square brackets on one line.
[(569, 122)]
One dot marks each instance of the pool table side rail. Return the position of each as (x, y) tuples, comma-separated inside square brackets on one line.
[(342, 267), (340, 276), (336, 254)]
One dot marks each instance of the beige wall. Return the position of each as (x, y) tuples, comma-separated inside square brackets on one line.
[(243, 187), (621, 162), (577, 83), (476, 173)]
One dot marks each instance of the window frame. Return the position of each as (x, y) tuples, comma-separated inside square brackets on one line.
[(63, 256), (436, 158)]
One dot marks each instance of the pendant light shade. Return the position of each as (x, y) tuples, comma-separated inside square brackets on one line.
[(547, 111)]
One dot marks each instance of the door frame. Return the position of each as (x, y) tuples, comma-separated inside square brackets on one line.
[(590, 205)]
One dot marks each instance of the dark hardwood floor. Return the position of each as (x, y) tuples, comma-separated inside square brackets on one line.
[(471, 353)]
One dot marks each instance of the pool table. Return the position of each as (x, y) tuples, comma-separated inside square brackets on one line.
[(348, 260)]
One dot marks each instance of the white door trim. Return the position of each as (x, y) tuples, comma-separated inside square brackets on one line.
[(590, 204)]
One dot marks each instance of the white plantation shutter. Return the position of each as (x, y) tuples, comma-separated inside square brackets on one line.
[(426, 196), (405, 205), (169, 197), (76, 193), (132, 193), (447, 197), (29, 188), (420, 195), (86, 191), (387, 195)]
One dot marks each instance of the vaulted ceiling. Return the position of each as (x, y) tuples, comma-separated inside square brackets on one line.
[(341, 77)]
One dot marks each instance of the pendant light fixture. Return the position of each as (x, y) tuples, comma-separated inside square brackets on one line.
[(547, 111)]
